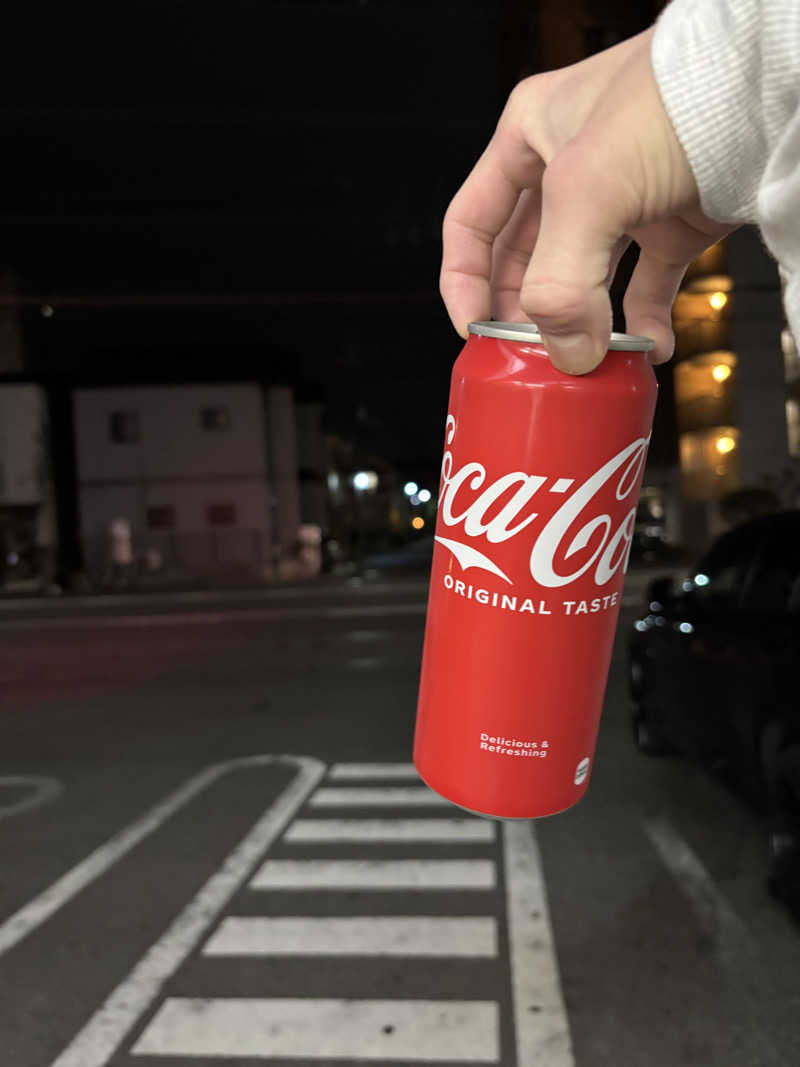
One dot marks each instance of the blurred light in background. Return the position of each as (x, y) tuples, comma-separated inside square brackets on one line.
[(718, 300), (424, 496), (418, 522), (721, 372), (725, 444), (365, 480), (410, 488), (414, 500)]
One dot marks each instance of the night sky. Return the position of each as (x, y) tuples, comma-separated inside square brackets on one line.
[(251, 190)]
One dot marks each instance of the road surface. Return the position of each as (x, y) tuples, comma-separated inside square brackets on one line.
[(215, 852)]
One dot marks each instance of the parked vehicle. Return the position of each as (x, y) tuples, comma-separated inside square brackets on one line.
[(715, 675)]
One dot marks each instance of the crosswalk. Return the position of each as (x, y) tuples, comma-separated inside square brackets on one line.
[(378, 899)]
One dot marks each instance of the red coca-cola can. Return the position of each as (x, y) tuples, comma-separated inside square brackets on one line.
[(537, 506)]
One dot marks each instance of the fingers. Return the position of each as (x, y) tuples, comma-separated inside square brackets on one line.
[(512, 254), (581, 233), (478, 213), (648, 302)]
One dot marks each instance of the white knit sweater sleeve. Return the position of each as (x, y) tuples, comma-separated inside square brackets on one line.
[(729, 75)]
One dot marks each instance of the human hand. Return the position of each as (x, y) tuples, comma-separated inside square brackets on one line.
[(583, 160)]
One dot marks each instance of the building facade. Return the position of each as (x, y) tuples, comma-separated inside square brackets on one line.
[(27, 512), (185, 479), (733, 372)]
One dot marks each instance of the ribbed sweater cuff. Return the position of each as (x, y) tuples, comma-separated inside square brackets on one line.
[(707, 62)]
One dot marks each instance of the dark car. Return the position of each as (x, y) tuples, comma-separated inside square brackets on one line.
[(715, 675)]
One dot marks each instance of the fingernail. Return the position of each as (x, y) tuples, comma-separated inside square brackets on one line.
[(573, 353)]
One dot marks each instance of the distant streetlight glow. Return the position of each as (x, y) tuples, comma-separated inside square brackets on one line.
[(424, 496), (718, 300), (364, 480), (721, 372), (418, 522), (410, 488), (725, 444), (414, 500)]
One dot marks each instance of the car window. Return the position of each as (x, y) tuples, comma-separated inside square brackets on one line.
[(719, 578), (773, 584)]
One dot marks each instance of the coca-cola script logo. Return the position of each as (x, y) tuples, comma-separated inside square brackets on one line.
[(611, 547)]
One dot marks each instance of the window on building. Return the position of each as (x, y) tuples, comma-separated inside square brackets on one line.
[(215, 418), (123, 427), (791, 359), (793, 426), (221, 514), (709, 462), (704, 390), (161, 517)]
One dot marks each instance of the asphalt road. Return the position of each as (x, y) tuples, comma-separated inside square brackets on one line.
[(172, 895)]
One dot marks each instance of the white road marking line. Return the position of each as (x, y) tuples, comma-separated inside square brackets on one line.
[(38, 910), (710, 906), (411, 1030), (97, 1042), (373, 770), (210, 618), (388, 830), (307, 592), (412, 796), (44, 790), (366, 663), (541, 1024), (376, 874), (396, 935), (365, 635)]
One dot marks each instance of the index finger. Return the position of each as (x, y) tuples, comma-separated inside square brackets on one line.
[(478, 212)]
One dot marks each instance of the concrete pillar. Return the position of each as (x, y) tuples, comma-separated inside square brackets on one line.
[(757, 318), (282, 444)]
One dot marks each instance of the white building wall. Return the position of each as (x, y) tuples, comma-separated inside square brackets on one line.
[(23, 464), (175, 464), (172, 442)]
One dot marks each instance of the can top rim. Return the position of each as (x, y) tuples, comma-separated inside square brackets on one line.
[(528, 331)]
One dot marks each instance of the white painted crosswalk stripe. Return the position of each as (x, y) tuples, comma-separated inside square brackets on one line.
[(410, 1030), (410, 796), (418, 936), (389, 830), (373, 770), (316, 1028), (541, 1024), (375, 874)]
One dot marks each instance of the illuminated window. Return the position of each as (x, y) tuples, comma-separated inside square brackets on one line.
[(704, 390), (793, 426), (791, 359), (709, 462)]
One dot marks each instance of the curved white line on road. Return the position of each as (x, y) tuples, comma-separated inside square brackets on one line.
[(99, 1039), (44, 790), (39, 910)]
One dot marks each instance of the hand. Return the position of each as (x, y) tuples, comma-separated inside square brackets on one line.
[(583, 159)]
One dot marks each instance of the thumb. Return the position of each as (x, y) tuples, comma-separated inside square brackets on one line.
[(565, 289)]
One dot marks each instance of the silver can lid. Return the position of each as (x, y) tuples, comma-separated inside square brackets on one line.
[(528, 331)]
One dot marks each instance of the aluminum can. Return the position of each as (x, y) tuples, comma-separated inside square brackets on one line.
[(537, 506)]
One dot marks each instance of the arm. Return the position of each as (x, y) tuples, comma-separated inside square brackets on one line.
[(587, 157)]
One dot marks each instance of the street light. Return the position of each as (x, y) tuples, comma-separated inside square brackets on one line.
[(410, 488), (365, 480)]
